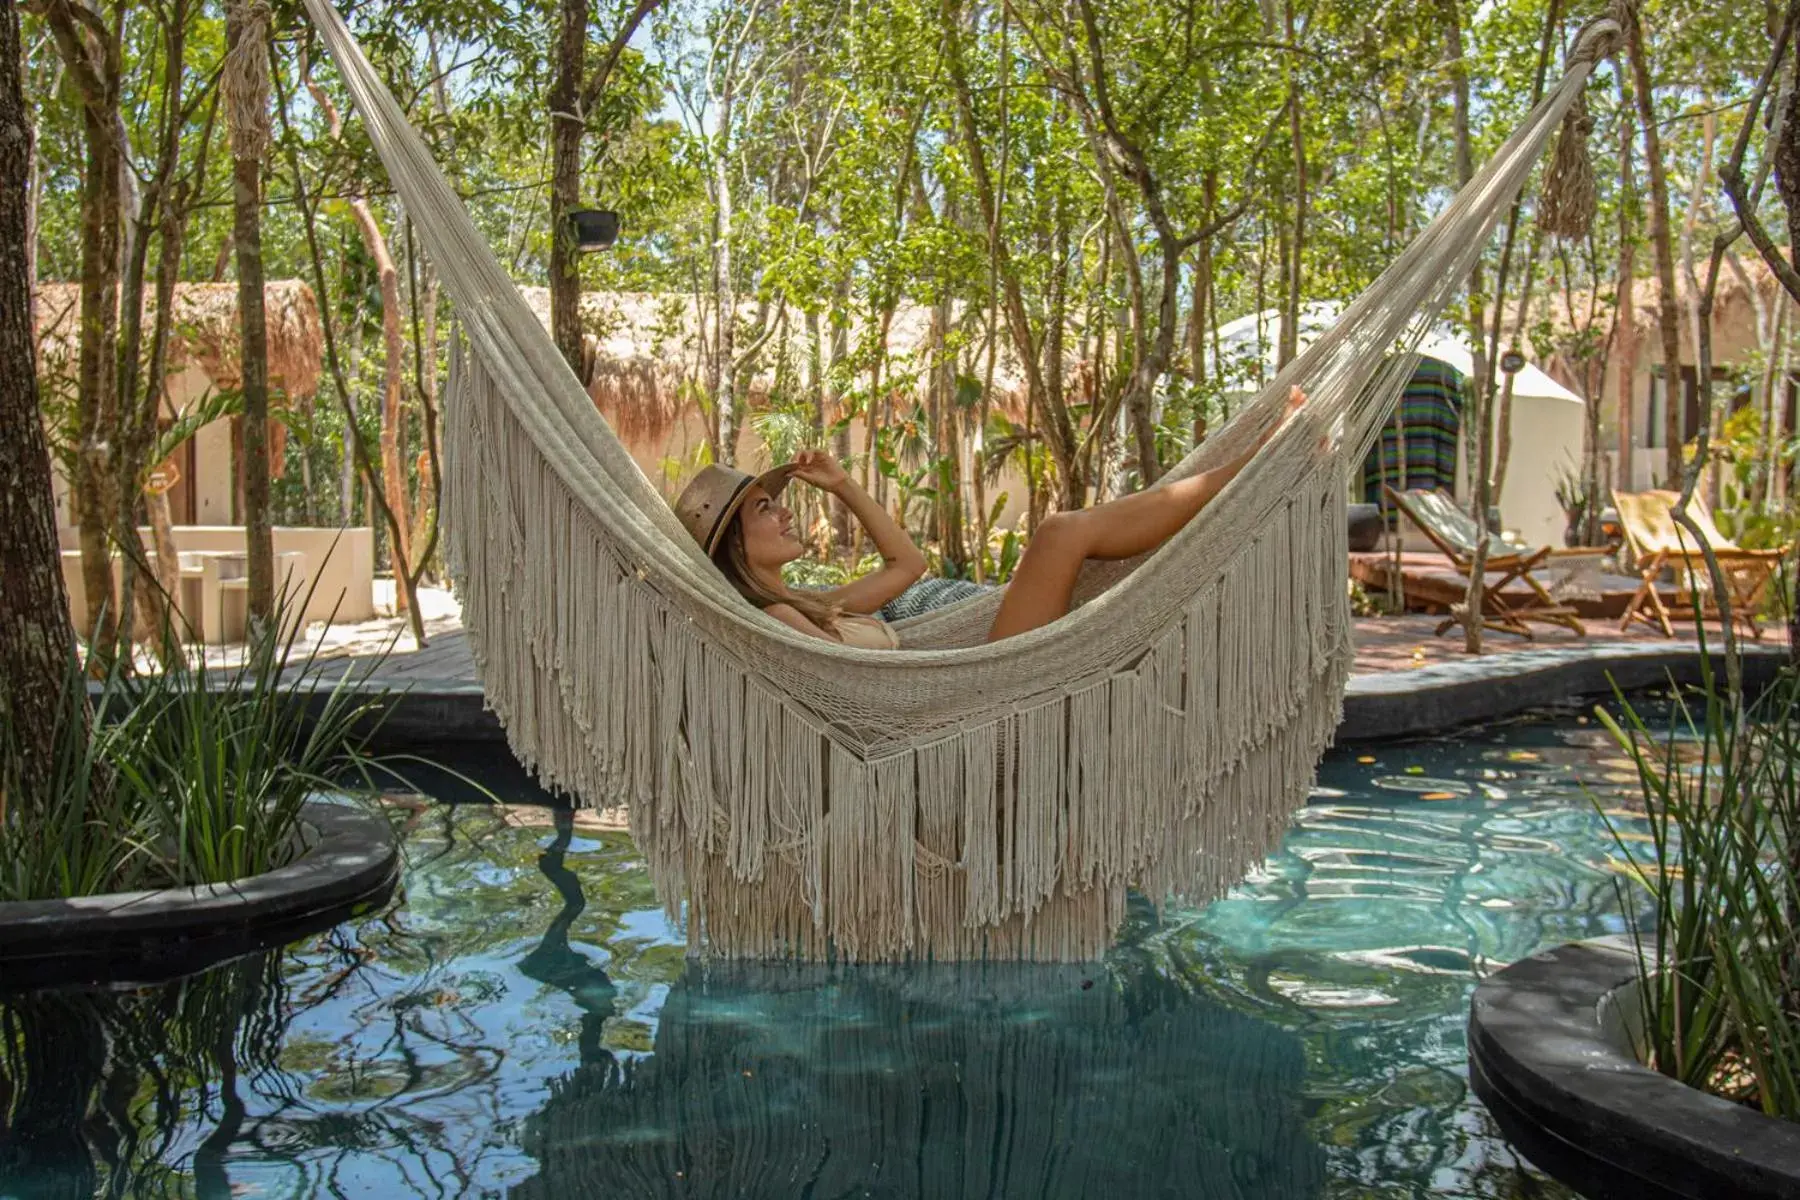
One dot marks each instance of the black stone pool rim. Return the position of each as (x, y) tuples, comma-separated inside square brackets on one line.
[(1567, 1091), (351, 865), (1377, 706)]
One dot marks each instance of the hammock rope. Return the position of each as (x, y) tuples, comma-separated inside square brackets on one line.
[(956, 799)]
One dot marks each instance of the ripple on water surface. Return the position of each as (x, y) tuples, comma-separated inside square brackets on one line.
[(525, 1023)]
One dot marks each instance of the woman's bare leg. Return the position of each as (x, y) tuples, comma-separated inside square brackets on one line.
[(1043, 586)]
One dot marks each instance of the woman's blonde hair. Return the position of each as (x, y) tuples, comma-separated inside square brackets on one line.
[(731, 559)]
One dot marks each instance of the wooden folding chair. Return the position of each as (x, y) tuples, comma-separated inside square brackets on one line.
[(1656, 542), (1456, 535)]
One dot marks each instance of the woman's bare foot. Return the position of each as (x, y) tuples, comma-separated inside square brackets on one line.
[(1295, 402)]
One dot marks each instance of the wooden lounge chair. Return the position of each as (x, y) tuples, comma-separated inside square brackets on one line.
[(1655, 542), (1455, 533)]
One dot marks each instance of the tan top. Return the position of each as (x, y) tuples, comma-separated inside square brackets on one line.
[(866, 633)]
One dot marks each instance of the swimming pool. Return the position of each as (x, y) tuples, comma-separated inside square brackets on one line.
[(525, 1023)]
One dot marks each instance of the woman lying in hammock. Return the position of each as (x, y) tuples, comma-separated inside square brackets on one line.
[(739, 521)]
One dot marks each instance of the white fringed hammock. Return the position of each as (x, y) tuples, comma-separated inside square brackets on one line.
[(954, 799)]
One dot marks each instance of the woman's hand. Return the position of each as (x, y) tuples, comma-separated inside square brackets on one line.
[(820, 469)]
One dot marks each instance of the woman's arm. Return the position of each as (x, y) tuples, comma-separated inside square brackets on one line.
[(902, 561)]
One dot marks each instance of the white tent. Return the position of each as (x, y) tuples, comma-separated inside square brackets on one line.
[(1546, 416)]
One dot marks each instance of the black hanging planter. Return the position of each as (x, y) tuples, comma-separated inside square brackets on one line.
[(595, 228)]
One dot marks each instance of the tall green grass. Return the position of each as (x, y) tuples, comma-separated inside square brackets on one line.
[(193, 774), (1719, 960)]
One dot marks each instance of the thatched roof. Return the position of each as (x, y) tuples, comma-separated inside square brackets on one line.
[(206, 331), (1733, 304), (643, 356)]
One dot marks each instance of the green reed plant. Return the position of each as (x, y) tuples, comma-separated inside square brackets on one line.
[(82, 841), (1718, 962), (193, 774)]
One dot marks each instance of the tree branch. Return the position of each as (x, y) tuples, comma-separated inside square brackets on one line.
[(590, 92)]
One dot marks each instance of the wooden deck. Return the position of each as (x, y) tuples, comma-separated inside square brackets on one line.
[(1432, 585)]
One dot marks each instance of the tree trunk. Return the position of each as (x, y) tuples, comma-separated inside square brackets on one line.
[(36, 646), (1059, 429), (393, 388), (840, 440), (1624, 353), (1667, 309), (1294, 285), (1713, 415), (1475, 424), (391, 467), (247, 85), (1503, 421), (565, 179), (94, 485)]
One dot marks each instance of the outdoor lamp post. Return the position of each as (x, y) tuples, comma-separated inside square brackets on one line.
[(595, 228)]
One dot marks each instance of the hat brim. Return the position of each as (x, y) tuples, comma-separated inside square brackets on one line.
[(772, 482)]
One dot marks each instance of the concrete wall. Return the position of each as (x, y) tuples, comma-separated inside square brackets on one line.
[(335, 566), (340, 563)]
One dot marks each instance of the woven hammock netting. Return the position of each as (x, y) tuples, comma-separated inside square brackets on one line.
[(954, 799)]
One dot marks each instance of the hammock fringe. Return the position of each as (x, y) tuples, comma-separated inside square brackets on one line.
[(1012, 837), (797, 798)]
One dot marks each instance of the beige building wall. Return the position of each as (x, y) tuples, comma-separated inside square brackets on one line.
[(1734, 345)]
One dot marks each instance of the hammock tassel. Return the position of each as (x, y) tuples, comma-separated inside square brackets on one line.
[(1567, 205)]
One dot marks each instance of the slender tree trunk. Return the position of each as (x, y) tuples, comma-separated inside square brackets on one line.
[(724, 290), (423, 304), (1667, 309), (247, 88), (1476, 441), (566, 126), (393, 390), (94, 485), (1713, 415), (1059, 429), (393, 373), (1624, 353), (1294, 285), (1503, 422), (36, 646), (390, 471)]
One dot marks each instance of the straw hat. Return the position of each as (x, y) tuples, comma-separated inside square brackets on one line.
[(713, 497)]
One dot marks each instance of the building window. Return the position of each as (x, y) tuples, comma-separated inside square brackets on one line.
[(1656, 414)]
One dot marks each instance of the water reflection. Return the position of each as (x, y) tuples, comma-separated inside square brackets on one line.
[(101, 1088), (525, 1023), (940, 1081)]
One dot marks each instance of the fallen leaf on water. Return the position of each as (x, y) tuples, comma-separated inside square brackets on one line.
[(1367, 758), (1438, 796)]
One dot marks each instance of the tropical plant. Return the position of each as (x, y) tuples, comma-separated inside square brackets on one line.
[(1719, 963), (194, 774)]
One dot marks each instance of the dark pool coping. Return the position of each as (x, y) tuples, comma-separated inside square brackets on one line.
[(351, 865), (1380, 705), (1566, 1089), (1443, 696)]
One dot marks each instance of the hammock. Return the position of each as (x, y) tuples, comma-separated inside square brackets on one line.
[(955, 799)]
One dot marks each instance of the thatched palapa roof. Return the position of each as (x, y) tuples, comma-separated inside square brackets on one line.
[(643, 356), (1733, 304), (206, 332)]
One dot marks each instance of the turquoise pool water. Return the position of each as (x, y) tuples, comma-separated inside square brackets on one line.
[(525, 1024)]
